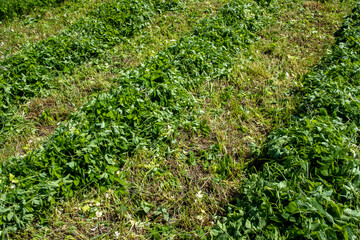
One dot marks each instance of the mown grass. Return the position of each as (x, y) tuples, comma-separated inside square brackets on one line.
[(36, 119), (180, 196)]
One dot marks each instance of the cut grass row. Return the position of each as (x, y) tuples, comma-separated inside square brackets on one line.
[(146, 111), (169, 178), (178, 196), (305, 182)]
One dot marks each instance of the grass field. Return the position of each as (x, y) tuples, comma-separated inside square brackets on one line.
[(185, 119)]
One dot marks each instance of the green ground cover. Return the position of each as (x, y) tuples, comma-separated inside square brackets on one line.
[(163, 152)]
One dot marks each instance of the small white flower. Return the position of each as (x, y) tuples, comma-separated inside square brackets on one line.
[(12, 186), (99, 214), (58, 212), (117, 234), (199, 194), (200, 217)]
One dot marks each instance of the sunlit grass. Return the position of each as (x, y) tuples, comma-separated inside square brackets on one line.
[(180, 196)]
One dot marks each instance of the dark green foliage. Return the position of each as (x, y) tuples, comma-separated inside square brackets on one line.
[(14, 8), (308, 186), (264, 3), (145, 112)]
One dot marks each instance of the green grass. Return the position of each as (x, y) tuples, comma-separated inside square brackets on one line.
[(179, 195)]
